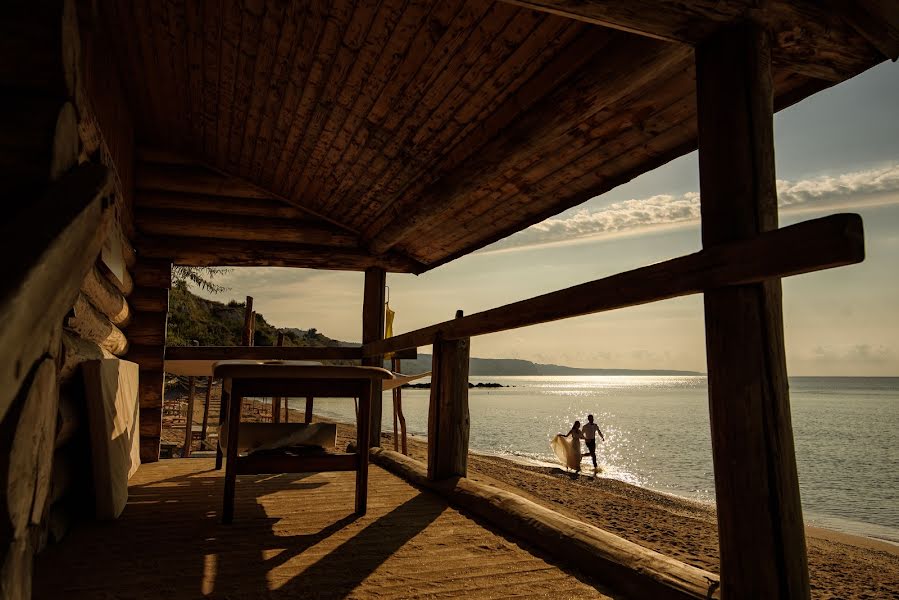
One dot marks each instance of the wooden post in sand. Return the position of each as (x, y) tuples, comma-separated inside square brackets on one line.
[(188, 426), (276, 401), (761, 533), (373, 302), (398, 409), (448, 420), (206, 408)]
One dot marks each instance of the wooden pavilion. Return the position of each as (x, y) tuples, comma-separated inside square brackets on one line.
[(396, 136)]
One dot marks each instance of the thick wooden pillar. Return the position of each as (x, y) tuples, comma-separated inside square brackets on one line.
[(150, 304), (448, 419), (372, 330), (188, 425), (760, 526)]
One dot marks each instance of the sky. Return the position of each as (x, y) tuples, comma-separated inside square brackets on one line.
[(837, 151)]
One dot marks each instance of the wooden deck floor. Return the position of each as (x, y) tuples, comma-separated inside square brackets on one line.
[(293, 536)]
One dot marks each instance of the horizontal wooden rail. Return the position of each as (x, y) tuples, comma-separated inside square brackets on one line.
[(263, 353), (824, 243), (270, 353)]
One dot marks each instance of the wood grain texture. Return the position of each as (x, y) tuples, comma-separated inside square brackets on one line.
[(373, 303), (448, 418), (240, 253), (104, 296), (761, 533), (824, 243), (113, 415), (57, 239), (193, 224), (88, 322), (31, 453)]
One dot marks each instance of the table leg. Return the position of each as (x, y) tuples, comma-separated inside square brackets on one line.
[(223, 410), (230, 466), (362, 444)]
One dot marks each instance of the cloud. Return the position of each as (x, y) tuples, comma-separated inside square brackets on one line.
[(873, 186)]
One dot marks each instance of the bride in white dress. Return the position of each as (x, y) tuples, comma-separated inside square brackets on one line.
[(568, 447)]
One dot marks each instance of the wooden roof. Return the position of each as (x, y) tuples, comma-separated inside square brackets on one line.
[(406, 133)]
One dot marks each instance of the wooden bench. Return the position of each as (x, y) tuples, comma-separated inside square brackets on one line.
[(242, 379)]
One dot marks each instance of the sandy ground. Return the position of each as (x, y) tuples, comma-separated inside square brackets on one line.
[(840, 565)]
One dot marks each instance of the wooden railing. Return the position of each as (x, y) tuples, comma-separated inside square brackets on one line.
[(824, 243), (270, 353)]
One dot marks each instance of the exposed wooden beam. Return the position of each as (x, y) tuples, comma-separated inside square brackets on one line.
[(668, 20), (877, 21), (808, 38), (56, 241), (254, 207), (204, 252), (590, 90), (814, 245), (373, 303), (263, 353), (760, 530), (234, 227), (194, 177)]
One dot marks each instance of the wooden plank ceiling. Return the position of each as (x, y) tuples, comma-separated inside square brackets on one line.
[(406, 133)]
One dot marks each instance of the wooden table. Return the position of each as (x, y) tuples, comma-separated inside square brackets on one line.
[(244, 378)]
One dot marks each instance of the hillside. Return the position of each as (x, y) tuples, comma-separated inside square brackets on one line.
[(211, 323)]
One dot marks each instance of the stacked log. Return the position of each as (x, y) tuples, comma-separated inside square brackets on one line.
[(150, 305), (52, 146)]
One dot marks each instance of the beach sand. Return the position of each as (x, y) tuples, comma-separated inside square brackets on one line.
[(840, 565)]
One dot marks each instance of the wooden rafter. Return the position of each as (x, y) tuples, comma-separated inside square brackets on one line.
[(197, 251), (815, 50)]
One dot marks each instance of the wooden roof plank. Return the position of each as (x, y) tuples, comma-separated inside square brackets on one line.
[(389, 112), (598, 88), (314, 22), (212, 49), (429, 141), (250, 58), (289, 46), (370, 135), (380, 56), (194, 60), (400, 146), (272, 29), (231, 33), (327, 108), (495, 111), (524, 187), (336, 23)]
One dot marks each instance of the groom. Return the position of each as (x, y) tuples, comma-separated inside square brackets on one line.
[(590, 430)]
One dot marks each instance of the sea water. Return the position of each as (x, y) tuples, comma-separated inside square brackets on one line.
[(657, 433)]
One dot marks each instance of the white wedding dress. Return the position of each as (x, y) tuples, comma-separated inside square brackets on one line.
[(567, 449)]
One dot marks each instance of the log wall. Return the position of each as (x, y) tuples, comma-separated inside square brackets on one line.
[(65, 141)]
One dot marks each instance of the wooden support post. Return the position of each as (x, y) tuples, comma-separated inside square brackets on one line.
[(206, 408), (448, 420), (398, 406), (372, 330), (307, 415), (152, 279), (247, 339), (761, 536), (276, 401), (188, 426)]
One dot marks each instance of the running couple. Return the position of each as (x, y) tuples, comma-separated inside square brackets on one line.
[(568, 447)]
